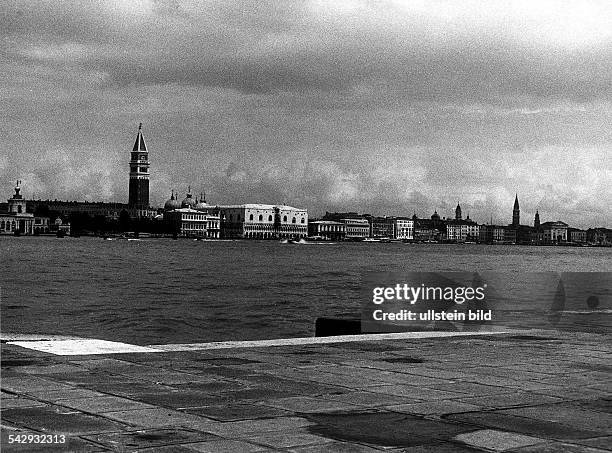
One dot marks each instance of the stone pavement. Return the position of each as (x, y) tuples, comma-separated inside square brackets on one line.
[(540, 391)]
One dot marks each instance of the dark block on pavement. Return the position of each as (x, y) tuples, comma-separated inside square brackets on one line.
[(329, 327)]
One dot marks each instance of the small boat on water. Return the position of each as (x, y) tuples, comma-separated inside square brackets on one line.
[(293, 241)]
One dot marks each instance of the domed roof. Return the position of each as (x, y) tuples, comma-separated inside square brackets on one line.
[(172, 203), (188, 202)]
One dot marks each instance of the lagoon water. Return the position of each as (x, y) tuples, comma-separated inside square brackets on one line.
[(163, 291)]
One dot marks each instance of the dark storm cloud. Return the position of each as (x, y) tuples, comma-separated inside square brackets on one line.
[(258, 47)]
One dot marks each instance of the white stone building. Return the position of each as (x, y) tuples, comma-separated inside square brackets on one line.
[(263, 221)]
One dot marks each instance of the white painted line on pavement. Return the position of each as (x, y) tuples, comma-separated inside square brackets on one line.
[(87, 346), (320, 340), (82, 346)]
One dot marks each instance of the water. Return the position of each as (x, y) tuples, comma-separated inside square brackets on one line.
[(163, 291)]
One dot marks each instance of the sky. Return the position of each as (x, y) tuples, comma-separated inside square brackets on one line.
[(384, 107)]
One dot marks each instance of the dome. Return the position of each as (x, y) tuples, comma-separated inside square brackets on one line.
[(172, 203), (188, 202)]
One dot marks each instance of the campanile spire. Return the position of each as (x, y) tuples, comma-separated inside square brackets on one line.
[(139, 174), (516, 212)]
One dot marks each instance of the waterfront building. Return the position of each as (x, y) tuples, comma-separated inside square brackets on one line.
[(429, 230), (188, 222), (491, 234), (554, 232), (499, 233), (327, 229), (576, 236), (381, 227), (510, 235), (404, 228), (192, 218), (356, 229), (462, 230), (17, 220), (60, 227), (599, 236), (263, 221)]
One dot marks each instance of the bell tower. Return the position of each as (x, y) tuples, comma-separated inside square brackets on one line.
[(516, 212), (139, 174)]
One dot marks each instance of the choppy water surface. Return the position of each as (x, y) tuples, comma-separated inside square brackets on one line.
[(163, 291)]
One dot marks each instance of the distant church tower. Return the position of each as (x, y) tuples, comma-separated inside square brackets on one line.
[(516, 212), (139, 174), (536, 221), (458, 212)]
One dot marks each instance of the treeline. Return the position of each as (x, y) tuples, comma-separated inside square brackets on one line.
[(81, 223)]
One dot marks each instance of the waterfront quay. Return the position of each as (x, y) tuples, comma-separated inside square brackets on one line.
[(519, 391)]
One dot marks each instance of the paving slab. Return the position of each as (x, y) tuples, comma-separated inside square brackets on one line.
[(227, 446), (416, 393), (11, 403), (514, 423), (147, 438), (558, 447), (58, 395), (238, 411), (597, 442), (440, 407), (509, 400), (305, 404), (160, 418), (576, 417), (386, 429), (334, 447), (102, 404), (497, 440), (288, 440), (280, 424), (55, 420), (181, 399)]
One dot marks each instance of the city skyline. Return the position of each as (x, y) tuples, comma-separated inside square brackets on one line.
[(386, 109)]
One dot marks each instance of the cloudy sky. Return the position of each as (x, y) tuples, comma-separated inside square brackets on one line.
[(386, 107)]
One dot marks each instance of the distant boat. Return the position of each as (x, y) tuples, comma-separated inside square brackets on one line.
[(293, 241), (371, 240)]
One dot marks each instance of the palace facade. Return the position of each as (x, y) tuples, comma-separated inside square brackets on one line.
[(263, 221)]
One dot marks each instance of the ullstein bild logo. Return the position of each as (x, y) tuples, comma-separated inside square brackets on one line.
[(475, 301)]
